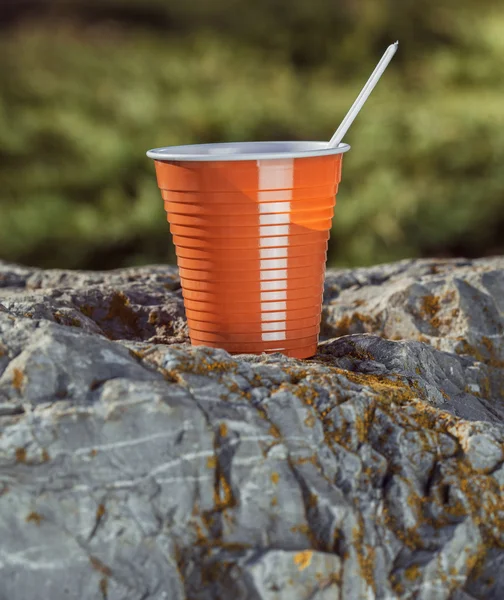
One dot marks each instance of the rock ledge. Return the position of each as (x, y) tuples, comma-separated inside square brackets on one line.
[(133, 467)]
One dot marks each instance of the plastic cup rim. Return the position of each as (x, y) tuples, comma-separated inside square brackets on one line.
[(237, 151)]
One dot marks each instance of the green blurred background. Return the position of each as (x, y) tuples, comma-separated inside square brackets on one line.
[(87, 87)]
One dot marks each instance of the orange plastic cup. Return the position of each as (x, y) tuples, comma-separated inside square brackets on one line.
[(250, 223)]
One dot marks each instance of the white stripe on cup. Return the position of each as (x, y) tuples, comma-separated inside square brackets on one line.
[(274, 263), (273, 252), (274, 274), (274, 219), (265, 306), (274, 335), (276, 178), (273, 207), (274, 316), (280, 295), (281, 284), (273, 230), (273, 326), (269, 195), (268, 242)]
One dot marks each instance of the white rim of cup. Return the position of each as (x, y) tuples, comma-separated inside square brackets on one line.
[(234, 151)]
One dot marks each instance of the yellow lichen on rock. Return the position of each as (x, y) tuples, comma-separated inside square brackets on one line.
[(303, 559)]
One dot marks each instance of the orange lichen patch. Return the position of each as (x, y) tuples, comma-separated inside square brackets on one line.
[(304, 528), (273, 431), (365, 553), (34, 517), (257, 379), (429, 418), (491, 357), (366, 560), (342, 436), (153, 318), (204, 366), (100, 511), (296, 374), (45, 456), (104, 588), (360, 353), (429, 308), (412, 573), (302, 460), (363, 424), (93, 452), (367, 472), (325, 581), (223, 430), (476, 562), (397, 586), (87, 310), (310, 421), (201, 539), (261, 412), (487, 343), (119, 308), (409, 536), (211, 462), (306, 393), (97, 564), (136, 354), (387, 387), (233, 387), (455, 312), (21, 455), (17, 379), (63, 319), (206, 541), (223, 494), (357, 323), (465, 348), (430, 304), (303, 559), (275, 477), (274, 501), (171, 376), (485, 499), (494, 359)]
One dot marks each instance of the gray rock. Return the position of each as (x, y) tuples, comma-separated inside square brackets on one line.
[(133, 466)]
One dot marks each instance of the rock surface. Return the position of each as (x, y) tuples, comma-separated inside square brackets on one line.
[(133, 467)]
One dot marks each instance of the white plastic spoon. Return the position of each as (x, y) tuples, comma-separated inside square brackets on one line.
[(363, 96)]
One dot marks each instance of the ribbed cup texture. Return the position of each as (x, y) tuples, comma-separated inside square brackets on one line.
[(251, 243)]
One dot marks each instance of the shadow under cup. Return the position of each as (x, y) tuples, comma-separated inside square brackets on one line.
[(251, 223)]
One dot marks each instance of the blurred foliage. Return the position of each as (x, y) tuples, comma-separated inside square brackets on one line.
[(86, 88)]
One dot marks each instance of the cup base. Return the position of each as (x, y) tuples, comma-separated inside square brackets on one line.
[(303, 352)]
